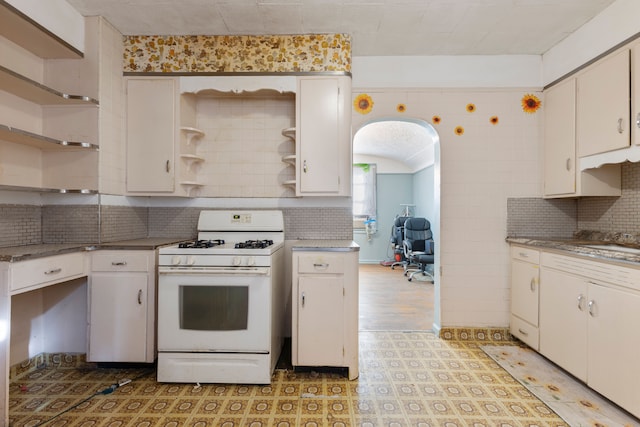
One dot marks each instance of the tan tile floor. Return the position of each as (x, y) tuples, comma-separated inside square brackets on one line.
[(406, 379)]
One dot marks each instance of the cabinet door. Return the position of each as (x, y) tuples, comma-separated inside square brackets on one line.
[(118, 317), (614, 345), (563, 322), (320, 320), (524, 291), (559, 139), (318, 101), (150, 135), (603, 119)]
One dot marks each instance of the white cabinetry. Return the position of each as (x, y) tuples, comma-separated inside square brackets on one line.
[(588, 317), (603, 122), (122, 306), (48, 132), (323, 143), (559, 139), (562, 174), (325, 309), (151, 132), (525, 280)]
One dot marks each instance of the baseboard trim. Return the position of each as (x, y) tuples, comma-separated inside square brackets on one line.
[(474, 334)]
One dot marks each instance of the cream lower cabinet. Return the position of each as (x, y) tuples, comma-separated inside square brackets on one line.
[(325, 309), (525, 279), (588, 324), (122, 306)]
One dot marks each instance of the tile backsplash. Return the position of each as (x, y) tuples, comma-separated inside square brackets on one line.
[(26, 224), (560, 218), (20, 225), (542, 218)]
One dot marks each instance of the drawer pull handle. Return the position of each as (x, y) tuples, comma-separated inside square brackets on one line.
[(139, 296), (53, 271), (323, 266), (167, 166), (523, 332), (303, 298), (620, 125), (119, 263), (532, 285), (524, 255), (580, 299)]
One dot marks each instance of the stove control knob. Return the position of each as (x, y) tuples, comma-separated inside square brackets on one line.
[(251, 261), (236, 261), (191, 260), (176, 260)]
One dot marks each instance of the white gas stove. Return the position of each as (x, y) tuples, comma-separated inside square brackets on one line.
[(221, 300)]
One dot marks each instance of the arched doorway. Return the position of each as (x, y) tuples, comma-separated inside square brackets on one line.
[(407, 155)]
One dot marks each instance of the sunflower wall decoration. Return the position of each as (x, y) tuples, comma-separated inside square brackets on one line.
[(436, 120), (471, 108), (494, 120), (530, 103), (459, 130), (363, 104), (401, 108)]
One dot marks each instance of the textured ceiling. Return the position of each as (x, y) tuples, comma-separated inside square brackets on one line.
[(377, 27), (406, 142)]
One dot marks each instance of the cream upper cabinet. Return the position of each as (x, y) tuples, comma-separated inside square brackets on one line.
[(560, 139), (603, 120), (562, 175), (323, 136), (151, 134), (635, 94)]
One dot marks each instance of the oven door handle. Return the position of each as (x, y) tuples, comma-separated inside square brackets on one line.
[(242, 271)]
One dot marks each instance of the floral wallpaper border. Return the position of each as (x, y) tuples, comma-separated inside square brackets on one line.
[(233, 54)]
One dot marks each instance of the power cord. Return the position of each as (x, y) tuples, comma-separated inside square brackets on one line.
[(104, 391)]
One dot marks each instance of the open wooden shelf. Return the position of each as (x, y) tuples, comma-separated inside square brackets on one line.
[(19, 136), (27, 33), (28, 89)]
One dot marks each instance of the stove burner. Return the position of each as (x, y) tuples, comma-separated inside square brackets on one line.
[(254, 244), (198, 244)]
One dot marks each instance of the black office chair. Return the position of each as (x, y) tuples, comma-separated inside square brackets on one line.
[(418, 246), (397, 238)]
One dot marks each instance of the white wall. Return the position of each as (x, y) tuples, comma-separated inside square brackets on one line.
[(479, 171), (447, 71), (612, 26)]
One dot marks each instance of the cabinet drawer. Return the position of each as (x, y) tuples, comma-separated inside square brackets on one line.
[(594, 270), (32, 274), (525, 332), (320, 262), (120, 261), (525, 254)]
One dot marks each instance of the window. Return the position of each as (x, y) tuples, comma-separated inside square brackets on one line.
[(364, 191)]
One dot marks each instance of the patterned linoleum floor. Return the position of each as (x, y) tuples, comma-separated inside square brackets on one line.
[(406, 379)]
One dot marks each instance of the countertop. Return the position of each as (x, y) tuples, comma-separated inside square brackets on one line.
[(579, 247), (25, 252), (325, 245)]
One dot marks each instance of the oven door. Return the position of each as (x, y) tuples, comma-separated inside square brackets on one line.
[(217, 311)]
